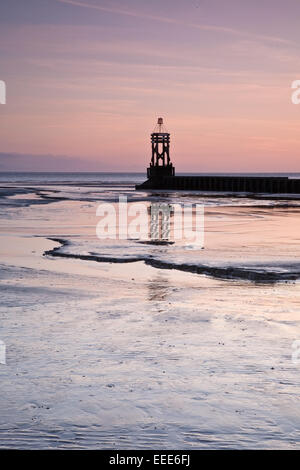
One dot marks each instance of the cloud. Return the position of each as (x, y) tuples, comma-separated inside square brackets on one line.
[(163, 19)]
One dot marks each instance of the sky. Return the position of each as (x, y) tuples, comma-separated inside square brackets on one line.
[(87, 79)]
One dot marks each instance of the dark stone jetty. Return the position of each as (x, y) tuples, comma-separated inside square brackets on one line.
[(248, 184), (161, 174)]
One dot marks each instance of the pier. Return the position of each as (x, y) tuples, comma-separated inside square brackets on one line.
[(247, 184), (161, 174)]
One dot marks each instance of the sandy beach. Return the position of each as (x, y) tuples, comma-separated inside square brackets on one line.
[(140, 354)]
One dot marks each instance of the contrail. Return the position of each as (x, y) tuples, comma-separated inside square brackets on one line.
[(164, 19)]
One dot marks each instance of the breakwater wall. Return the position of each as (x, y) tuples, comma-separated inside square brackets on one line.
[(248, 184)]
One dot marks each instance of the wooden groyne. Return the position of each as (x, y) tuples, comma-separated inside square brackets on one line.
[(247, 184)]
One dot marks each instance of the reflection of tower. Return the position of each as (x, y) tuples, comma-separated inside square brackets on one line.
[(160, 223), (160, 164), (158, 288)]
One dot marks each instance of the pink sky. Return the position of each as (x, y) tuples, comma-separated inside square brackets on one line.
[(86, 81)]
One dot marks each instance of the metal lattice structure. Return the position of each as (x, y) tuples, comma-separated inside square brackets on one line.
[(160, 164)]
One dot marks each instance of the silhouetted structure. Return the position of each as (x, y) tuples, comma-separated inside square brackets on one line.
[(160, 165), (161, 174)]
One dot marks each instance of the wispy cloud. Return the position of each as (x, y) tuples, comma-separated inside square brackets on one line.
[(169, 20)]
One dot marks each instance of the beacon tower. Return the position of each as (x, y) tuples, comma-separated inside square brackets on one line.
[(160, 164)]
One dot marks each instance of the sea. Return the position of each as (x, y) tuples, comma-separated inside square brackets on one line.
[(103, 177)]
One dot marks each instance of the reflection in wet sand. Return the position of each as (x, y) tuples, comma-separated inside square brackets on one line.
[(158, 288)]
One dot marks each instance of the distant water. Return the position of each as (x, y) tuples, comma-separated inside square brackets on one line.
[(105, 178), (82, 178)]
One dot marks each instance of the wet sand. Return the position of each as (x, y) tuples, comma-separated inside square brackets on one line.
[(128, 355)]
